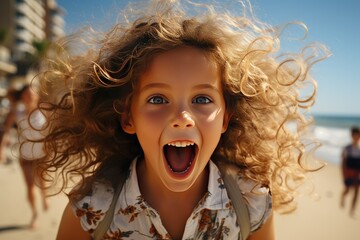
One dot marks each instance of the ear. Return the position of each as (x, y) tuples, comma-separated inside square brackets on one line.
[(127, 124), (225, 122)]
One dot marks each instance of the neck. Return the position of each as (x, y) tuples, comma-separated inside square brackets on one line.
[(174, 207), (155, 192)]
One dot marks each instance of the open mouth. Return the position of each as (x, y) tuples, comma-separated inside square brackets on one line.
[(179, 156)]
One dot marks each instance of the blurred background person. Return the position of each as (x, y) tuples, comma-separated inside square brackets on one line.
[(351, 169), (22, 104)]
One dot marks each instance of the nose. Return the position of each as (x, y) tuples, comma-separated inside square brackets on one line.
[(183, 120)]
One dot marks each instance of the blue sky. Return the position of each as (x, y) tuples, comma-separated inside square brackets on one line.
[(333, 23)]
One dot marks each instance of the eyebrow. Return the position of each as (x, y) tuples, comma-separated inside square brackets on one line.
[(167, 86), (155, 85), (207, 86)]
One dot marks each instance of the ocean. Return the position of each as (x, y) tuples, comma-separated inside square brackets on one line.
[(334, 133)]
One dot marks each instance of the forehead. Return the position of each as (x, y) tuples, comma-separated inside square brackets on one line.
[(182, 63), (184, 55)]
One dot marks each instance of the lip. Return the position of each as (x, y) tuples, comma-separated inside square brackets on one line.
[(175, 175)]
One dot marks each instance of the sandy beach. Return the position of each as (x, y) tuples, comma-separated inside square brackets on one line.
[(318, 216)]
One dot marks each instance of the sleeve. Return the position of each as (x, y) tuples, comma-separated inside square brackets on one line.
[(259, 202), (92, 208)]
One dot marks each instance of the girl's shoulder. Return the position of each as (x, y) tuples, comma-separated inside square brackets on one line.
[(257, 197), (91, 209)]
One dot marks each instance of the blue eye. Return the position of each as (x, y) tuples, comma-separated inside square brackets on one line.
[(157, 100), (202, 100)]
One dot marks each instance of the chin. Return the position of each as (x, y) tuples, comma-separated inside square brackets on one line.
[(178, 186)]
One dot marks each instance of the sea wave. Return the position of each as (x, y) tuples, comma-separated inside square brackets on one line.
[(332, 140)]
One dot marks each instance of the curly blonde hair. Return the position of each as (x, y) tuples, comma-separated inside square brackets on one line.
[(85, 95)]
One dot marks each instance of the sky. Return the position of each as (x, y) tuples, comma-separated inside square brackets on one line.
[(333, 23)]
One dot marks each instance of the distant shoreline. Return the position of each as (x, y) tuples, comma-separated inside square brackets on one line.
[(336, 121), (335, 114)]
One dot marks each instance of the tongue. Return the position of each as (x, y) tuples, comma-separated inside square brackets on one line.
[(179, 158)]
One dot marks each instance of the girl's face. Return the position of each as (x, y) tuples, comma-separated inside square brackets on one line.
[(178, 115)]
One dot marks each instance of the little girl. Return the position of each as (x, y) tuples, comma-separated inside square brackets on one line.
[(164, 100)]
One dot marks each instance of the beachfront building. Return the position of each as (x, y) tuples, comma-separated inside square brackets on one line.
[(25, 25), (26, 21), (7, 67)]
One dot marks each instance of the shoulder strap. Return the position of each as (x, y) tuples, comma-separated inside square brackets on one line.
[(104, 225), (229, 175)]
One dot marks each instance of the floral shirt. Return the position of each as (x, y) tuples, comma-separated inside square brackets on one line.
[(213, 217)]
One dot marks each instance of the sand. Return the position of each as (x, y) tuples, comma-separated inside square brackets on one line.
[(317, 217)]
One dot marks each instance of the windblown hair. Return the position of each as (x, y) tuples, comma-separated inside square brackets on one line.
[(85, 95)]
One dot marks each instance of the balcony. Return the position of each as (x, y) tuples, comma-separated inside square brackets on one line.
[(5, 65)]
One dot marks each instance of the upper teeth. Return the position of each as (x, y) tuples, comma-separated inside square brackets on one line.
[(180, 144)]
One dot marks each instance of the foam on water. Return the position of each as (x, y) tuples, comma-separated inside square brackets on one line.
[(333, 132), (333, 140)]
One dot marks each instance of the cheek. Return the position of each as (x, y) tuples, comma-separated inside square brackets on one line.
[(149, 119), (211, 117)]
